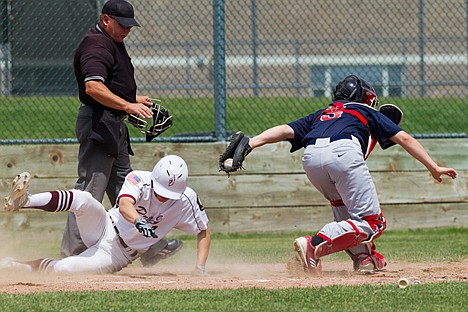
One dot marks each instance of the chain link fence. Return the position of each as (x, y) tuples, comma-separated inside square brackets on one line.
[(223, 65)]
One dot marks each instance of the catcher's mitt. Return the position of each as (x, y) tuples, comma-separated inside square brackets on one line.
[(233, 157), (162, 121), (395, 114)]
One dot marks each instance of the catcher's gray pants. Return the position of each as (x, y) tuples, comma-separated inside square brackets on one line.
[(98, 172), (338, 170)]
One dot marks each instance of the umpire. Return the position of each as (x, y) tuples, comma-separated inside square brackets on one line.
[(107, 91)]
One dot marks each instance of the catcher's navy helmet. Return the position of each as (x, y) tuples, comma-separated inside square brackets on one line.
[(353, 88)]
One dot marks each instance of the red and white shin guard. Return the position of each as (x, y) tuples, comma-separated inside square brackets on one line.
[(342, 242), (310, 255), (368, 262)]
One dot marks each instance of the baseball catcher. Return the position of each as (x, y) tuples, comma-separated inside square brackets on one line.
[(162, 121), (335, 140), (233, 157)]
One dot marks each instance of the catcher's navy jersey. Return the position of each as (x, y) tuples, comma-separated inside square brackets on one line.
[(343, 117)]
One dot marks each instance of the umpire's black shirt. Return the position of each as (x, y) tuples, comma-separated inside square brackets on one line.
[(98, 57)]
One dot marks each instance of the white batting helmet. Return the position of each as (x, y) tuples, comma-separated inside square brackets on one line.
[(169, 177)]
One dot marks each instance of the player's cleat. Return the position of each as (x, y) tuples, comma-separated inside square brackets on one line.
[(157, 252), (305, 252), (173, 246), (369, 264), (10, 263), (18, 195)]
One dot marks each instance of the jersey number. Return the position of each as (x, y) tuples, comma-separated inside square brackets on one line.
[(331, 113)]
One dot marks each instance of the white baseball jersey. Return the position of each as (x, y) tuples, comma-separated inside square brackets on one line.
[(110, 250), (186, 214)]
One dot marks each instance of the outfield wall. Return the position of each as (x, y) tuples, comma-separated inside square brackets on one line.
[(273, 193)]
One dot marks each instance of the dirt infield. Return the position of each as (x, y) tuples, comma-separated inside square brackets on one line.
[(224, 276)]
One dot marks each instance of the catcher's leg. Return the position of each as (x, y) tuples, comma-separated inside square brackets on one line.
[(365, 259), (334, 237)]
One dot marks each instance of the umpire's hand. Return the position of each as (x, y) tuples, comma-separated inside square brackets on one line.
[(144, 228)]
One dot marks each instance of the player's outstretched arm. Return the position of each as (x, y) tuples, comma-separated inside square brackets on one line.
[(203, 246), (415, 149), (127, 209), (272, 135), (203, 249)]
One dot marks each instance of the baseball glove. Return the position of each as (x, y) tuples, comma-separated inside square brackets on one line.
[(161, 120), (395, 114), (233, 157)]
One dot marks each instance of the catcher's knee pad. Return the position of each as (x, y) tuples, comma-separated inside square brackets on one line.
[(342, 242)]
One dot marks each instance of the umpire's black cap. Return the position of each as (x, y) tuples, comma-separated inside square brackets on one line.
[(121, 11)]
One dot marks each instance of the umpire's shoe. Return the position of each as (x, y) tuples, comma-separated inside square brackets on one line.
[(160, 251), (18, 195)]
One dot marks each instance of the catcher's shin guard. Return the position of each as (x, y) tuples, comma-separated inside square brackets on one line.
[(342, 242), (367, 262)]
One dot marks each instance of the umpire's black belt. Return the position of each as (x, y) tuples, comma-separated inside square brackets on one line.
[(120, 116), (342, 136)]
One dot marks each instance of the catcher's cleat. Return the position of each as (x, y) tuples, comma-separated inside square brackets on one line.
[(18, 192), (369, 264), (305, 252)]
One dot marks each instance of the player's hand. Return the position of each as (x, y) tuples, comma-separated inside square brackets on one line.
[(144, 228), (443, 171), (199, 271)]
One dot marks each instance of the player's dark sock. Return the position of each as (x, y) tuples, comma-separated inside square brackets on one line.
[(40, 265), (316, 240)]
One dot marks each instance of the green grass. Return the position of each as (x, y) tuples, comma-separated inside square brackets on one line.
[(429, 297), (441, 245), (54, 117), (41, 238)]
